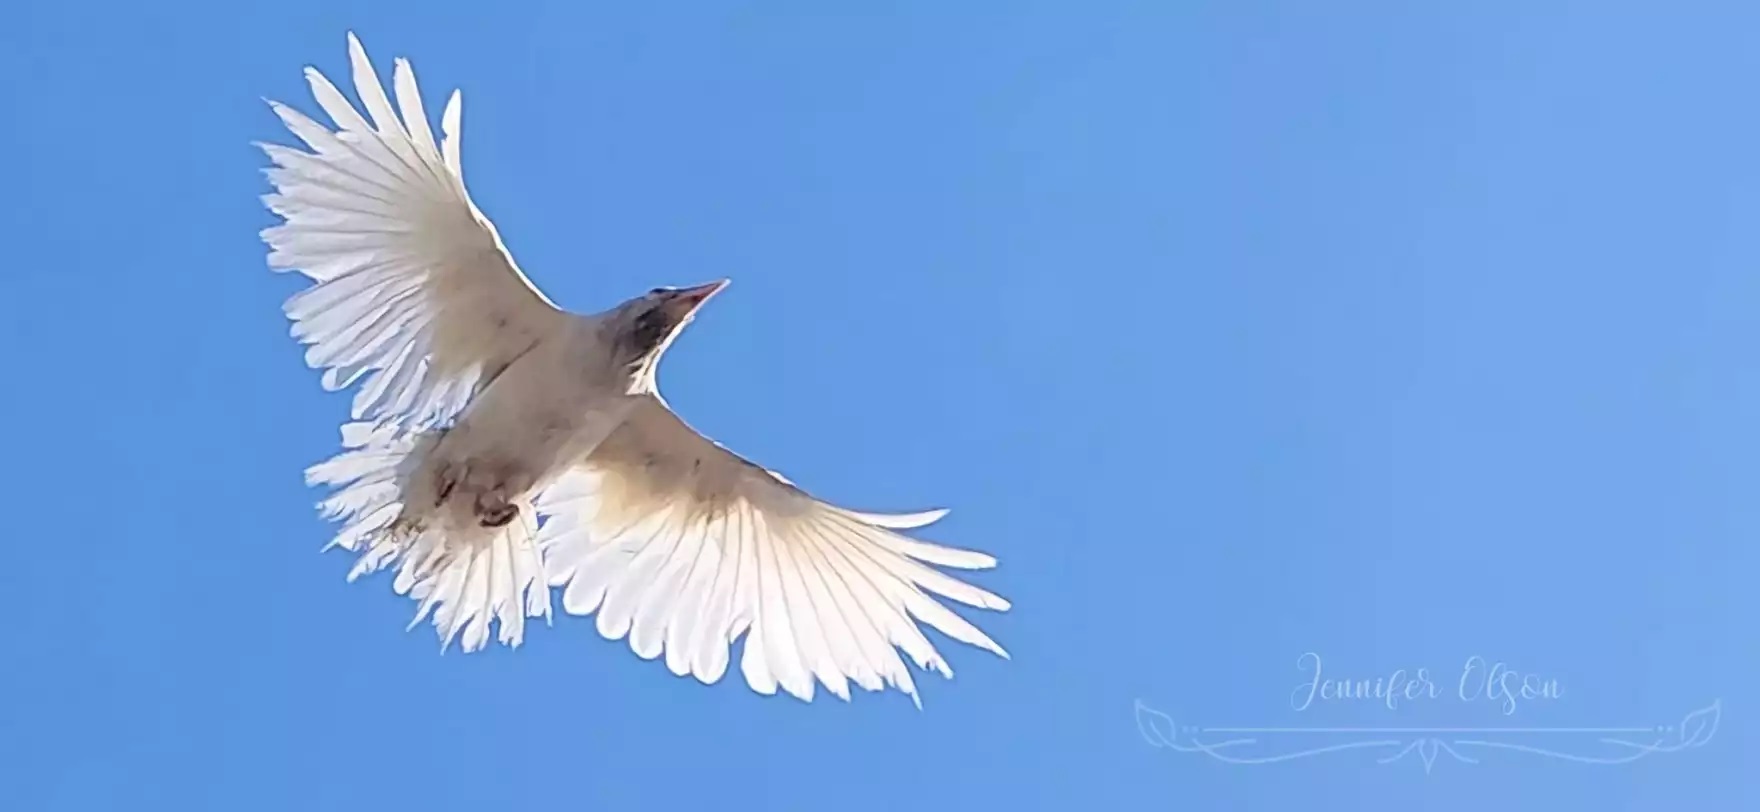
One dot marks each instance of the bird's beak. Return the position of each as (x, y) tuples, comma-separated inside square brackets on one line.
[(689, 300)]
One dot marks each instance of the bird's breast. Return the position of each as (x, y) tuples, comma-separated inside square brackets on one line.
[(543, 413)]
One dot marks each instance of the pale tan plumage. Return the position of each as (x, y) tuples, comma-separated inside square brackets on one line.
[(503, 446)]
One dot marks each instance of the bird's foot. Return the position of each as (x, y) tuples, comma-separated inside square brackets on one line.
[(496, 515)]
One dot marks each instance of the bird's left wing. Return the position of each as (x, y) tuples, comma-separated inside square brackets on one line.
[(683, 546), (416, 296)]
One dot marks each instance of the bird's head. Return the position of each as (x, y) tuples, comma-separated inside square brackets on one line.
[(642, 328)]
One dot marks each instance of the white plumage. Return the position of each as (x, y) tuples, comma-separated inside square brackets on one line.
[(502, 446)]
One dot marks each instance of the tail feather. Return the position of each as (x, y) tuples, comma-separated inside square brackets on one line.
[(462, 583)]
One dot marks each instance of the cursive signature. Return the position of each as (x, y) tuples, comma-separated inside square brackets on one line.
[(1480, 681)]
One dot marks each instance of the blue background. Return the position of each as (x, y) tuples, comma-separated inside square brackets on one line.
[(1399, 333)]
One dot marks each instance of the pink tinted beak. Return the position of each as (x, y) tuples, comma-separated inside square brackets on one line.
[(690, 299)]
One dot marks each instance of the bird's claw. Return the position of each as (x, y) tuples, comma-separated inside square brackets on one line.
[(497, 516), (447, 482)]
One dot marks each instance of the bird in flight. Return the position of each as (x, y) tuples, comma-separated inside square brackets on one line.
[(500, 446)]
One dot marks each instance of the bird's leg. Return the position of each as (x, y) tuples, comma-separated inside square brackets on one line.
[(446, 479), (497, 487), (495, 511)]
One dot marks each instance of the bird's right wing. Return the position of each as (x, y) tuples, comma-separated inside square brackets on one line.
[(416, 296), (684, 546)]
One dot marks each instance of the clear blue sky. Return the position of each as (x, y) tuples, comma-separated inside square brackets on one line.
[(1399, 333)]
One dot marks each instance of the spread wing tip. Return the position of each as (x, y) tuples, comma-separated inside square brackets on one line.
[(899, 521)]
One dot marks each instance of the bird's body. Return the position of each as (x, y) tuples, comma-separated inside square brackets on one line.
[(500, 446), (551, 406)]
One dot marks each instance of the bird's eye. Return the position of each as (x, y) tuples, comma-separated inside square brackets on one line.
[(658, 291), (650, 328)]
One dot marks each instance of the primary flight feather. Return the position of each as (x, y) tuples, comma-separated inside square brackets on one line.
[(502, 446)]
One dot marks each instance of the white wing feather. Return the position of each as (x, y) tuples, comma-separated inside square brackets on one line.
[(682, 546), (416, 296), (463, 587)]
